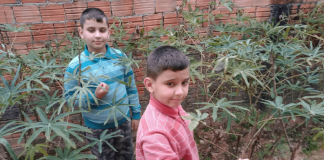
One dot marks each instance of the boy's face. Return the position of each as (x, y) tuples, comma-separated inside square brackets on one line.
[(170, 88), (96, 35)]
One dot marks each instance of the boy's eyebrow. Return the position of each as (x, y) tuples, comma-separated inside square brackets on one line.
[(175, 78)]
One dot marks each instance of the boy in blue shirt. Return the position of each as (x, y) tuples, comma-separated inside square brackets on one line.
[(94, 30)]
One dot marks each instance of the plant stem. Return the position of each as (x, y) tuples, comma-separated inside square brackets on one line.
[(276, 143), (301, 139), (218, 147)]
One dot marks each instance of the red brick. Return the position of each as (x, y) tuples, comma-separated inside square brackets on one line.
[(149, 28), (262, 2), (20, 37), (52, 12), (203, 4), (43, 32), (262, 14), (152, 21), (243, 3), (165, 5), (139, 78), (131, 23), (262, 18), (103, 5), (20, 48), (54, 1), (8, 77), (141, 93), (192, 3), (122, 8), (263, 9), (38, 38), (70, 24), (7, 15), (7, 1), (60, 28), (144, 6), (35, 46), (152, 17), (171, 19), (33, 1), (73, 11), (27, 14)]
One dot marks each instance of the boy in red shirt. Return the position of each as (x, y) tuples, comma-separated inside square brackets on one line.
[(162, 133)]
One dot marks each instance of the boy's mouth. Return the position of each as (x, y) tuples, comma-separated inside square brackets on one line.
[(97, 42)]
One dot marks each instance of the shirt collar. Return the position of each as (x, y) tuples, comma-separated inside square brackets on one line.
[(174, 112), (107, 55)]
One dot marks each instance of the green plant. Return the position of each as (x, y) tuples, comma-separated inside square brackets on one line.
[(253, 80)]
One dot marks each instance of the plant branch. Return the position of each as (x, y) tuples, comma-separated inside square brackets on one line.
[(218, 147)]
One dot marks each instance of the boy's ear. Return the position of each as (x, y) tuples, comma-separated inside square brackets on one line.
[(80, 32), (148, 82)]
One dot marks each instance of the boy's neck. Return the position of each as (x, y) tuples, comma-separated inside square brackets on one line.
[(96, 52)]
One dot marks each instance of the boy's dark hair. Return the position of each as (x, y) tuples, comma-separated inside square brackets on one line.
[(164, 58), (93, 13)]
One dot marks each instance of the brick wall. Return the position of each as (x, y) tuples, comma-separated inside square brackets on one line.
[(51, 18)]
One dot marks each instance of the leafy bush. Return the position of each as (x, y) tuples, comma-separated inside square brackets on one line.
[(256, 79)]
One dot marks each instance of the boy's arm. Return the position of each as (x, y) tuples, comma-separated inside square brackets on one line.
[(158, 146), (70, 81), (132, 92)]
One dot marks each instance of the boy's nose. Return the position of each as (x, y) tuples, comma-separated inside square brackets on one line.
[(179, 90), (97, 34)]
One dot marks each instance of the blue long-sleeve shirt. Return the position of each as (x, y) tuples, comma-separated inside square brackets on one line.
[(103, 67)]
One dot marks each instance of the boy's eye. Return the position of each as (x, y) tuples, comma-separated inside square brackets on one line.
[(170, 84), (91, 30), (185, 82), (102, 30)]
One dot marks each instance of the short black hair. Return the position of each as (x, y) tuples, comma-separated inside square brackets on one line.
[(164, 58), (93, 13)]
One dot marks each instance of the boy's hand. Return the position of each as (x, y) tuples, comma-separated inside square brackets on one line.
[(100, 92), (135, 123)]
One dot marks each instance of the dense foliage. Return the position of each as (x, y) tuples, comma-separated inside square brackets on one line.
[(255, 79)]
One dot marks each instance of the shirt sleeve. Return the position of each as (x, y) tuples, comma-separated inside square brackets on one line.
[(158, 146), (133, 93), (71, 77)]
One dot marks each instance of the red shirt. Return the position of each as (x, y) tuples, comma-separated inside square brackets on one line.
[(163, 135)]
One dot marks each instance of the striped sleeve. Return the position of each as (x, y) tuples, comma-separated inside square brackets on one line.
[(158, 146), (70, 82), (132, 92)]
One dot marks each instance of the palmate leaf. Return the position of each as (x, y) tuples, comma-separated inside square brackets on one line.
[(245, 71), (313, 108), (195, 119), (50, 126), (228, 4), (31, 150), (12, 93), (221, 104), (4, 132), (47, 100), (126, 61), (113, 107), (80, 91), (45, 65), (279, 105), (103, 138), (69, 154), (11, 28)]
